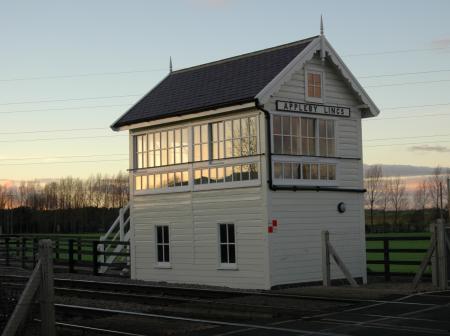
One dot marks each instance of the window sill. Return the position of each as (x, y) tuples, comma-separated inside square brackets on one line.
[(163, 266), (228, 267)]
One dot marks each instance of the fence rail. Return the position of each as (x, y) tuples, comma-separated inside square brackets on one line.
[(69, 254), (403, 258)]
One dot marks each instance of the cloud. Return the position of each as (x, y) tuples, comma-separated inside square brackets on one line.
[(427, 148), (406, 170), (441, 43)]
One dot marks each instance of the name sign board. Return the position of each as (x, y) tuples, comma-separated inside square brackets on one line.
[(289, 106)]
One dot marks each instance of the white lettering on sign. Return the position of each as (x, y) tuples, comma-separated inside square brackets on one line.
[(290, 106)]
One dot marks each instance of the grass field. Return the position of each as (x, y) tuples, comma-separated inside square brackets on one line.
[(397, 256)]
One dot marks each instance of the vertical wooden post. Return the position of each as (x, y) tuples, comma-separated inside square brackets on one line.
[(7, 250), (56, 249), (442, 253), (34, 251), (386, 259), (95, 257), (434, 258), (79, 248), (47, 290), (71, 260), (121, 225), (326, 277), (24, 251)]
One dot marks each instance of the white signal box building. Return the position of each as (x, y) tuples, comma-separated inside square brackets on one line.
[(237, 166)]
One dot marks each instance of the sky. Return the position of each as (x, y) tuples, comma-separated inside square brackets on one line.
[(69, 69)]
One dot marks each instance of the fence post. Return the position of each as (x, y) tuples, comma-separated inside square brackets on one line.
[(434, 258), (24, 251), (386, 259), (47, 290), (34, 247), (7, 250), (121, 225), (71, 260), (441, 252), (56, 249), (326, 277), (79, 248), (95, 257)]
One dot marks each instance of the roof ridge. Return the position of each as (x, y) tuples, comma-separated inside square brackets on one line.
[(253, 53)]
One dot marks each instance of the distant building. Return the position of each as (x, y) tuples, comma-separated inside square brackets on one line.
[(238, 165)]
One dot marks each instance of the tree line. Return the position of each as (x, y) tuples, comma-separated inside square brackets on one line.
[(391, 207), (66, 205)]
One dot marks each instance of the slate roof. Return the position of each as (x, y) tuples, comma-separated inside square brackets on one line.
[(222, 83)]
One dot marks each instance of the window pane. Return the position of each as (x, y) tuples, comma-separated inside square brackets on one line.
[(286, 125), (163, 140), (197, 153), (170, 135), (314, 172), (223, 233), (163, 180), (139, 160), (330, 129), (245, 172), (236, 173), (151, 144), (166, 253), (296, 171), (230, 233), (276, 124), (228, 174), (253, 172), (245, 127), (166, 234), (228, 148), (185, 178), (185, 154), (159, 234), (322, 146), (185, 136), (151, 159), (164, 157), (332, 172), (160, 253), (221, 133), (205, 154), (306, 171), (322, 128), (237, 147), (286, 145), (287, 170), (157, 140), (228, 129), (295, 145), (178, 155), (177, 137), (318, 92), (157, 158), (144, 182), (232, 253), (277, 147), (236, 128), (223, 253), (278, 170), (253, 126), (205, 176), (312, 146), (196, 134), (157, 181), (151, 182), (212, 175), (323, 172), (170, 179), (138, 183), (310, 91), (171, 156), (220, 174), (295, 124), (178, 179), (198, 176), (331, 148), (205, 133)]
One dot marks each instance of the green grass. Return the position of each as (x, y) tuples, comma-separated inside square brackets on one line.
[(398, 256)]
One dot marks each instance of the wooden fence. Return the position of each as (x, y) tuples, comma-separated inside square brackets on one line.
[(69, 254), (394, 255)]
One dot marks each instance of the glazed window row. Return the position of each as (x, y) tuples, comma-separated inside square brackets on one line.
[(304, 171)]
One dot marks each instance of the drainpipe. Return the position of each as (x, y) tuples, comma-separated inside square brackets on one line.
[(273, 187)]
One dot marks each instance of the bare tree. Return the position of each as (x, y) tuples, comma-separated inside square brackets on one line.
[(422, 198), (373, 183), (397, 196)]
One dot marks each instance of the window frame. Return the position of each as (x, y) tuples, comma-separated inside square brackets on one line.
[(315, 71), (162, 264), (221, 265)]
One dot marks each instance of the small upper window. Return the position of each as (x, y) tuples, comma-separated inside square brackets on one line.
[(314, 84)]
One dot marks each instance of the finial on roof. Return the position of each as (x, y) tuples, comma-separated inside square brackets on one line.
[(321, 25), (170, 64)]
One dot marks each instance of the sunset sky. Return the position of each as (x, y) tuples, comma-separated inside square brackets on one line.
[(68, 69)]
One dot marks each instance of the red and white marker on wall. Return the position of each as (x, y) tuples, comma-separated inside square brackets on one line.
[(272, 226)]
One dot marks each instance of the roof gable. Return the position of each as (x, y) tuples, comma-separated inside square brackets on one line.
[(227, 82), (320, 43)]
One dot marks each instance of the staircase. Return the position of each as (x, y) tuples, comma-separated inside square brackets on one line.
[(118, 232)]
